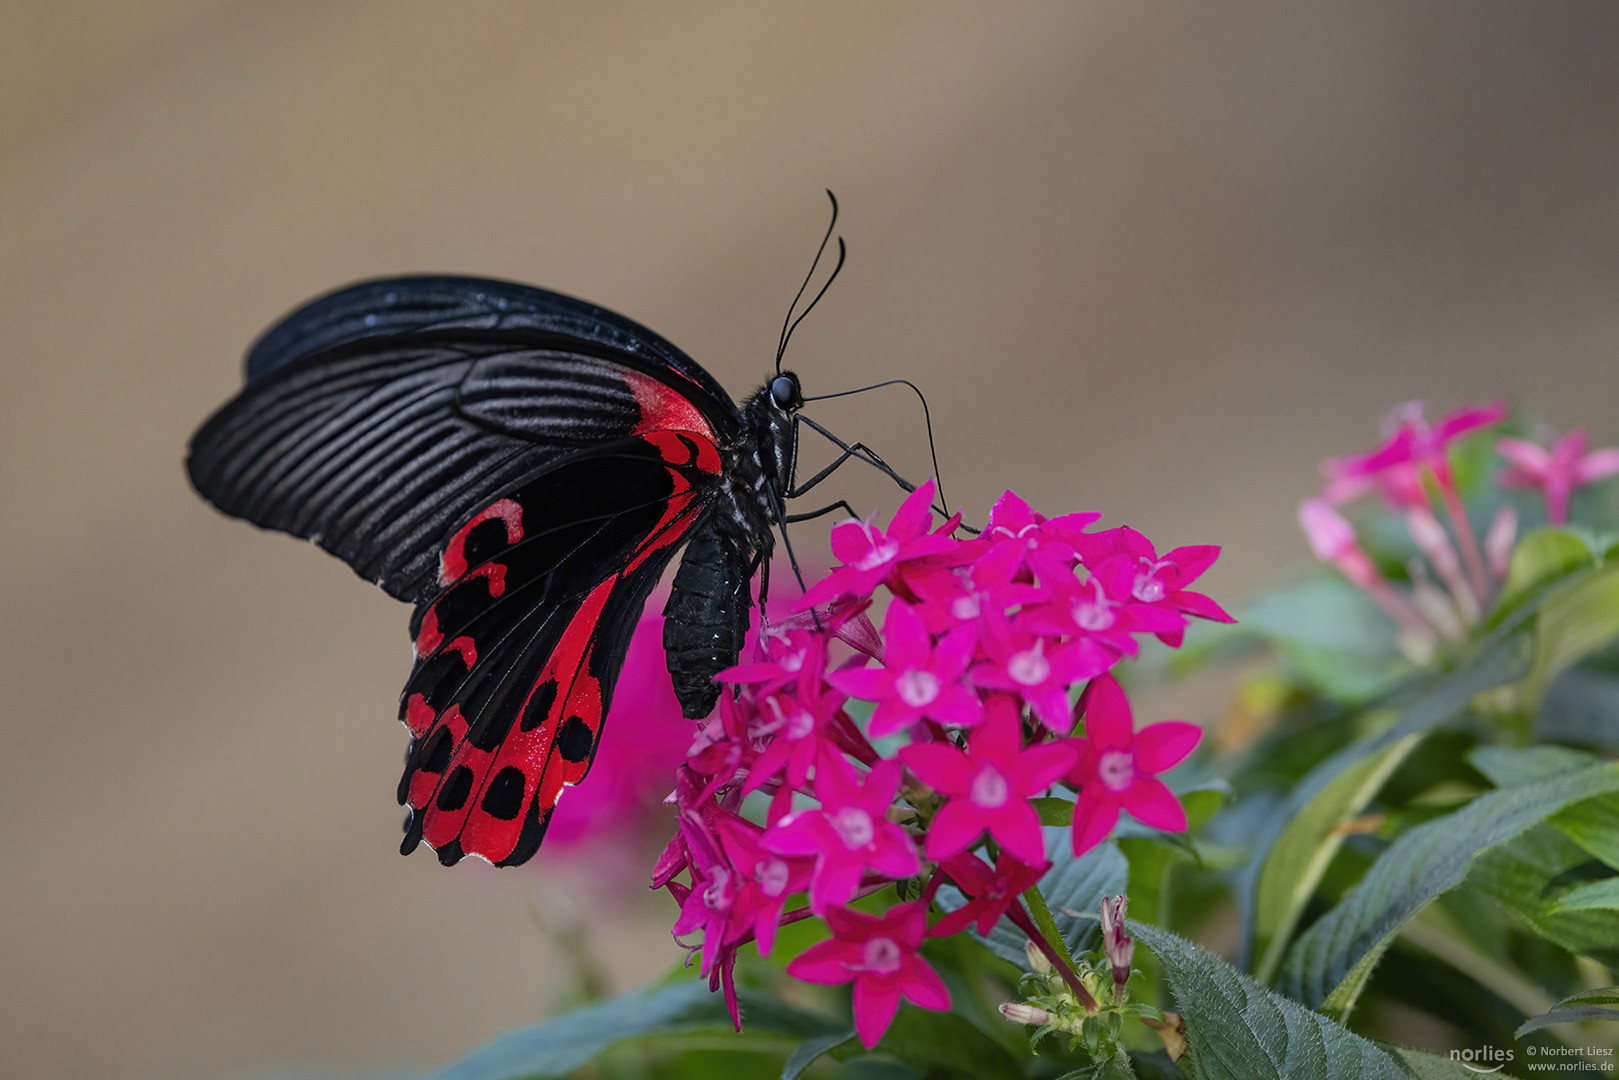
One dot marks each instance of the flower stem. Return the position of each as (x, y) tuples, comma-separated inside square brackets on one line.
[(1039, 935), (1464, 532)]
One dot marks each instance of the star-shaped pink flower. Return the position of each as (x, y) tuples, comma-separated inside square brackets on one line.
[(870, 555), (849, 832), (1159, 581), (1038, 670), (992, 891), (1395, 467), (1557, 471), (1103, 607), (1015, 531), (762, 882), (918, 680), (1118, 767), (987, 787), (878, 953)]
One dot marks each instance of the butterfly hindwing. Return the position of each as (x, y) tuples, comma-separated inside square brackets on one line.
[(519, 653)]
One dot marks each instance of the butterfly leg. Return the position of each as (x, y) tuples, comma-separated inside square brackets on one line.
[(793, 519)]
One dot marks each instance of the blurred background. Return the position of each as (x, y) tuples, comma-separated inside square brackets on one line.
[(1147, 259)]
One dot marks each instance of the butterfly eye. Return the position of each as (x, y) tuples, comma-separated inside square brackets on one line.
[(785, 393)]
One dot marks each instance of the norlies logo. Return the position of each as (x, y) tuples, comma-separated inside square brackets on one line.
[(1483, 1059)]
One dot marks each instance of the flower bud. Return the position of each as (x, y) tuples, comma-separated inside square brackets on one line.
[(1118, 946), (1019, 1013), (1037, 959)]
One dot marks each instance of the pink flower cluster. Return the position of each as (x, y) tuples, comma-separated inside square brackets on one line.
[(1410, 469), (972, 682)]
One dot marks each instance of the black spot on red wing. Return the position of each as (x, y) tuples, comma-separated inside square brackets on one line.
[(535, 823), (539, 705), (574, 740), (413, 833), (451, 853), (491, 728), (452, 794), (503, 799)]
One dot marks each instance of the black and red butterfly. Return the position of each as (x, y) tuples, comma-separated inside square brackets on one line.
[(522, 467)]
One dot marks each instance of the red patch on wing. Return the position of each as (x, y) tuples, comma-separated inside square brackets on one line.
[(453, 563), (663, 408)]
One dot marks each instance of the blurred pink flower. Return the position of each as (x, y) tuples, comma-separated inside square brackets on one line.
[(1556, 471), (1395, 467)]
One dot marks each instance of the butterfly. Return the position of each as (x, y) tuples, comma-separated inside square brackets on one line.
[(522, 467)]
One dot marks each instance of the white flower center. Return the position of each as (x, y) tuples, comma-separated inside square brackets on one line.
[(881, 955), (1148, 589), (1116, 769), (717, 893), (1030, 667), (917, 688), (771, 877), (881, 551), (1093, 615), (854, 827), (990, 791)]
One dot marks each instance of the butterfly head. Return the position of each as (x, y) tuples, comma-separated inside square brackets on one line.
[(785, 393)]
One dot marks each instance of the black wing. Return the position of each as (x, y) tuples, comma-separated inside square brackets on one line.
[(379, 419)]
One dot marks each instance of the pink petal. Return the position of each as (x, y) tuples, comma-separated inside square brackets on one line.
[(915, 514), (939, 766), (875, 1002), (1108, 725), (1197, 604), (1094, 817), (1597, 465), (894, 854), (1530, 458), (998, 738), (882, 784), (825, 962), (870, 684), (1042, 765), (1152, 803), (1051, 706), (908, 643), (1161, 747), (1010, 512), (959, 706), (955, 652), (1469, 418), (849, 924), (922, 984), (956, 920), (890, 717), (835, 882), (954, 828), (802, 832), (1193, 561), (1017, 827)]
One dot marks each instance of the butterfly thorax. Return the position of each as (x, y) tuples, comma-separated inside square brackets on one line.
[(706, 618)]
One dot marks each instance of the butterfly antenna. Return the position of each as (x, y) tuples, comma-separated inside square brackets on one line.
[(927, 419), (789, 324)]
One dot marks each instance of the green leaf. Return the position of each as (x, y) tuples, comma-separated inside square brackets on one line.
[(1425, 1066), (1515, 875), (1238, 1030), (1576, 619), (1592, 824), (1117, 1067), (1586, 1005), (810, 1050), (1332, 633), (1499, 659), (1054, 812), (1581, 706), (1540, 558), (564, 1043), (1306, 847), (1597, 896), (1331, 961)]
